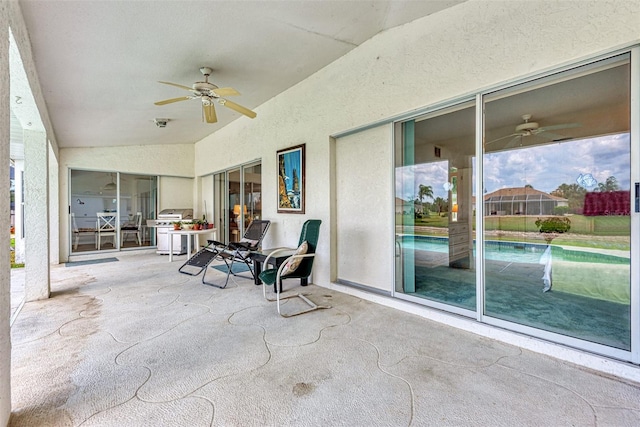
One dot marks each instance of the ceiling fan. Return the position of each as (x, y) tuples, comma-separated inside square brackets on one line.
[(208, 93), (528, 128)]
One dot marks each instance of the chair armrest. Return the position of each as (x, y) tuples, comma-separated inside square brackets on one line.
[(240, 245), (215, 243), (278, 250)]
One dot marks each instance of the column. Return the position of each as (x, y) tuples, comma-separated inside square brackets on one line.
[(36, 215)]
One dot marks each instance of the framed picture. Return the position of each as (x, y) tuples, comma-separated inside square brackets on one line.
[(291, 195)]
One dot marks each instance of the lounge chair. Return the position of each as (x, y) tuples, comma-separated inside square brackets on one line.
[(234, 252), (297, 266)]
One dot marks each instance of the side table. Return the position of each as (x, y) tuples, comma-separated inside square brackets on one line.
[(259, 257)]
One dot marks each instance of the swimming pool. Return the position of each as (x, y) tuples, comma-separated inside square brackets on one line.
[(522, 252)]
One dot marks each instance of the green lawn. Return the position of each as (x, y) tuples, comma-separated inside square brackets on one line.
[(13, 264), (604, 232)]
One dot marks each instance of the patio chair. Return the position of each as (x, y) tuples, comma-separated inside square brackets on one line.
[(132, 227), (233, 253), (297, 266), (76, 231)]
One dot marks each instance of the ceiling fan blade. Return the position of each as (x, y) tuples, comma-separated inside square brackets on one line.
[(209, 113), (557, 127), (504, 137), (177, 85), (226, 91), (238, 108), (169, 101), (551, 136)]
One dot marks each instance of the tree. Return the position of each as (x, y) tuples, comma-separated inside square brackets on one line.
[(440, 204), (610, 184), (574, 194), (425, 191)]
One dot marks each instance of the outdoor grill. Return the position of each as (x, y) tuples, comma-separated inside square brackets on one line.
[(164, 223)]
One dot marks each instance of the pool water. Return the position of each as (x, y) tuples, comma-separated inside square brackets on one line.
[(520, 252)]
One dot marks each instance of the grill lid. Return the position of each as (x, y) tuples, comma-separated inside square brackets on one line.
[(176, 214)]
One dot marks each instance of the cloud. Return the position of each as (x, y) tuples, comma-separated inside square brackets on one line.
[(545, 167)]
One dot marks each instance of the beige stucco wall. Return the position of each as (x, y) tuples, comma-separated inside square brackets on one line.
[(469, 47)]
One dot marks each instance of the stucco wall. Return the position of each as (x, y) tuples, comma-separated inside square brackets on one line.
[(459, 51), (5, 266), (364, 220)]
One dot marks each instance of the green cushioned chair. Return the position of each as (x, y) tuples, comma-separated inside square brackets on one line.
[(303, 257)]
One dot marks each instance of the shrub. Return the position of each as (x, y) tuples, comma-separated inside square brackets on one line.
[(553, 226), (560, 210)]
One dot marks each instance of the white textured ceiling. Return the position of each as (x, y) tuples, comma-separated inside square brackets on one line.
[(99, 62)]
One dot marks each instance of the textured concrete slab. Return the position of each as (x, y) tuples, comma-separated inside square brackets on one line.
[(135, 343)]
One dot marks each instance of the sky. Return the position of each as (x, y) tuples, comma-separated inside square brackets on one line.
[(545, 167)]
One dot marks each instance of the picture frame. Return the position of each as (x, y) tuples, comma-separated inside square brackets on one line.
[(291, 179)]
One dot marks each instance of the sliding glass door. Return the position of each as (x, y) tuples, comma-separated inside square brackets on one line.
[(557, 225), (517, 208), (237, 195), (108, 210)]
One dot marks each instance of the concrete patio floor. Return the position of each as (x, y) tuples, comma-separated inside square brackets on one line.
[(135, 343)]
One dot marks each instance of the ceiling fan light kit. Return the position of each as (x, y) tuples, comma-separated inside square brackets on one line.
[(208, 93)]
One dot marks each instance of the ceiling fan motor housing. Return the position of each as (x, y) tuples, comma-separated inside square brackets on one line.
[(204, 87), (527, 127)]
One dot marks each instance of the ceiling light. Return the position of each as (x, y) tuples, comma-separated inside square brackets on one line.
[(161, 123), (110, 186)]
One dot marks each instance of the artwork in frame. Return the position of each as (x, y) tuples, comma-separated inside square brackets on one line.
[(291, 195)]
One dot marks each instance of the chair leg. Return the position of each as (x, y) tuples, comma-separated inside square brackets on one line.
[(211, 283), (313, 306)]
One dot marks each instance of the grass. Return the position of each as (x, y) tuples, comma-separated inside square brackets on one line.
[(600, 232), (13, 255)]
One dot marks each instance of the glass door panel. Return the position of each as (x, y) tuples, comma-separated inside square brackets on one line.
[(235, 205), (221, 215), (556, 178), (252, 193), (137, 204), (91, 193), (435, 207)]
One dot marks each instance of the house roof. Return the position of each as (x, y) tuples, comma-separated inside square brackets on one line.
[(522, 193)]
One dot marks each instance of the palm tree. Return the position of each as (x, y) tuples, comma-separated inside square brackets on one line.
[(425, 191)]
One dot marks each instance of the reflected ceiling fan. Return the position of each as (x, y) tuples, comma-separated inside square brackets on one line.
[(209, 93), (528, 128)]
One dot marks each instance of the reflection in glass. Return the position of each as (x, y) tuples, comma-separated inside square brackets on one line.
[(435, 208), (556, 204)]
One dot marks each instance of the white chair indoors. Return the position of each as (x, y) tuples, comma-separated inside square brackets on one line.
[(132, 227), (76, 231), (106, 227)]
